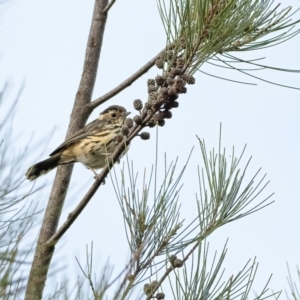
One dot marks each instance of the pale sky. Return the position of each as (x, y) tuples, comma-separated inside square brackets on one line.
[(43, 44)]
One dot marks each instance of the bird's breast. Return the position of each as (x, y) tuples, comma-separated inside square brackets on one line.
[(93, 150)]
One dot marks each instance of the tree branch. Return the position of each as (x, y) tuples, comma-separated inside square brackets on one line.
[(79, 116), (126, 82), (108, 6)]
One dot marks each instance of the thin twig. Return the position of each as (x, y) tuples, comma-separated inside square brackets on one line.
[(88, 277), (108, 6)]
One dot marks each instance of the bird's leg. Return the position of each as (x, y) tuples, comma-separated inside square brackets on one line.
[(95, 173), (97, 176)]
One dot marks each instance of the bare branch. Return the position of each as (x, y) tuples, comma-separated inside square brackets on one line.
[(109, 5), (126, 83)]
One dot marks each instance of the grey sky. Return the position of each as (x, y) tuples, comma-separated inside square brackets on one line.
[(43, 43)]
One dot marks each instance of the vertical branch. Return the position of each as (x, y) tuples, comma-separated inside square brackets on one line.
[(79, 116)]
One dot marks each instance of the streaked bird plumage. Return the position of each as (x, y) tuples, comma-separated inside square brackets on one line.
[(91, 145)]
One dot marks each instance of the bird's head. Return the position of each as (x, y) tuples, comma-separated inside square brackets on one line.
[(114, 114)]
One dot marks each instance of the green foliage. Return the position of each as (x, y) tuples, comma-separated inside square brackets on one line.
[(16, 217), (160, 243), (207, 30), (203, 279), (294, 285)]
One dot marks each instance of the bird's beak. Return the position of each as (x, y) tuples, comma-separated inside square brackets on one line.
[(127, 113)]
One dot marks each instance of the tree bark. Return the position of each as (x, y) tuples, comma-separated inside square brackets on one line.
[(79, 116)]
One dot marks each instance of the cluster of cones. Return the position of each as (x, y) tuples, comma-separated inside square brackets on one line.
[(163, 92)]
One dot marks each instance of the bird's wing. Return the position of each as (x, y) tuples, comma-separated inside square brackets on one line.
[(89, 129)]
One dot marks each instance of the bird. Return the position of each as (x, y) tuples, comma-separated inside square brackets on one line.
[(90, 145)]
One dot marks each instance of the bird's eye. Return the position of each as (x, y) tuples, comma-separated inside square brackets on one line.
[(113, 115)]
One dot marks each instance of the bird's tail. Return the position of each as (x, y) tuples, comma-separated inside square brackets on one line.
[(43, 167)]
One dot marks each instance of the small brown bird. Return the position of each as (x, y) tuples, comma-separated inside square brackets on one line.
[(91, 145)]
